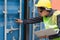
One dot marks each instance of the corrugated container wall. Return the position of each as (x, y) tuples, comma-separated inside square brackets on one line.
[(10, 10)]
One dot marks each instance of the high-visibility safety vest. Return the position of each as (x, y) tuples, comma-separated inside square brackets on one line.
[(51, 22)]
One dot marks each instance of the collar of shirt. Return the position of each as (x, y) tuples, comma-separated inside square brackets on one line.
[(51, 13)]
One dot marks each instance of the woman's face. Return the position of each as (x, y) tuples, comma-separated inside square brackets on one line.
[(42, 13)]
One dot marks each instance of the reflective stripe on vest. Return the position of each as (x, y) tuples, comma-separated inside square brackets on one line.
[(51, 22)]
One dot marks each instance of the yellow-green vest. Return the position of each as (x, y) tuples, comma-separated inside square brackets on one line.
[(51, 22)]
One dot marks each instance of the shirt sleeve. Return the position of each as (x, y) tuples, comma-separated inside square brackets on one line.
[(33, 20)]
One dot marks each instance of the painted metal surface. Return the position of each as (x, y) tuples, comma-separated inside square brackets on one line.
[(34, 27), (9, 29)]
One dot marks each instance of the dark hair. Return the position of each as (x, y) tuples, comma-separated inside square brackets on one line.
[(43, 8)]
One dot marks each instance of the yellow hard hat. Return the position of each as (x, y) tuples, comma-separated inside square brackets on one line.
[(44, 3)]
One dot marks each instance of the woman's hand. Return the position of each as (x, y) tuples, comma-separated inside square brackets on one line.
[(19, 21)]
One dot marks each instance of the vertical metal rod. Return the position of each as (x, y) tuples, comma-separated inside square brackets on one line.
[(40, 28), (5, 11), (20, 18), (33, 16)]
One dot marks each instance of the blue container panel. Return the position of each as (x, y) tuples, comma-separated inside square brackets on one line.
[(31, 5), (1, 6), (13, 6), (13, 34), (12, 15), (12, 9), (1, 20), (1, 26), (11, 21), (22, 17)]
